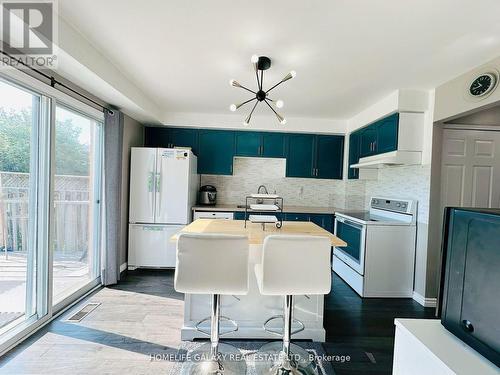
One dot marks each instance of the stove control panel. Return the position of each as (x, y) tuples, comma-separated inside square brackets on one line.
[(395, 205)]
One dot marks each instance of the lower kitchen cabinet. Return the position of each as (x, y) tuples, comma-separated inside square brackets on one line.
[(325, 221)]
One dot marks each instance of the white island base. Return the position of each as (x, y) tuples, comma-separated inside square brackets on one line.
[(252, 310)]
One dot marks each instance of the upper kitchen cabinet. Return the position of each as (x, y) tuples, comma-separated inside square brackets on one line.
[(248, 143), (171, 137), (300, 155), (380, 137), (329, 156), (157, 137), (180, 137), (271, 145), (387, 134), (215, 152), (354, 138), (315, 156)]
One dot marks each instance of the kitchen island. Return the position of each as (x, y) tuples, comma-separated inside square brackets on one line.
[(252, 310)]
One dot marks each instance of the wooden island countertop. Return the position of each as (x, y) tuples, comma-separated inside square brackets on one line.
[(254, 230)]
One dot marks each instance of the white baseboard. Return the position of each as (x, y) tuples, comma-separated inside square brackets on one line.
[(426, 302), (123, 267)]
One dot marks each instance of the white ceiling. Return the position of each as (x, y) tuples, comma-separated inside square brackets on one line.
[(347, 54)]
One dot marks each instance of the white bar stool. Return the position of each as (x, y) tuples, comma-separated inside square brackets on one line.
[(213, 264), (291, 265)]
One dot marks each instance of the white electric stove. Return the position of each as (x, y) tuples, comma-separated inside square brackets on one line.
[(379, 258)]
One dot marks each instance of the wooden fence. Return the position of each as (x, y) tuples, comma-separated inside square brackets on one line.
[(71, 213)]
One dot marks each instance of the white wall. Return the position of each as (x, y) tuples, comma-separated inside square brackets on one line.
[(268, 122), (133, 136), (452, 97)]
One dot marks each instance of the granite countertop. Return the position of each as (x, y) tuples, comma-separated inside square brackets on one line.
[(286, 208)]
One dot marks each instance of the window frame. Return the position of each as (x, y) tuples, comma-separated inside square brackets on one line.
[(45, 171)]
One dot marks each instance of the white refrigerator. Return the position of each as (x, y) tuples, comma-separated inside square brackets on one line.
[(163, 188)]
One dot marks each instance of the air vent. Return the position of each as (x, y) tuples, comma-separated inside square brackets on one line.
[(83, 312)]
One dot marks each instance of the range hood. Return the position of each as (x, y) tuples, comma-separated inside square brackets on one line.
[(389, 158)]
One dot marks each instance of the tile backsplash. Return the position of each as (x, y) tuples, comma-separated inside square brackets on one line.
[(249, 173), (410, 182)]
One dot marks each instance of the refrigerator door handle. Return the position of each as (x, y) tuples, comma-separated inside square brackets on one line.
[(158, 192)]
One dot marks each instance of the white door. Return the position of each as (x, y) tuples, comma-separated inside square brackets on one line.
[(142, 176), (470, 170), (172, 187), (150, 245)]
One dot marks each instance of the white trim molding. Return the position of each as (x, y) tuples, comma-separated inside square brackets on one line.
[(426, 302), (123, 267)]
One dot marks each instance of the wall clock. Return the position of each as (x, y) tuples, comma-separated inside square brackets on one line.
[(483, 85)]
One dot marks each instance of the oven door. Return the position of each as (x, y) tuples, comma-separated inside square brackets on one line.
[(354, 235)]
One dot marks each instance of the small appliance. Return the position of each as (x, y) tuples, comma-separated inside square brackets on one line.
[(208, 195)]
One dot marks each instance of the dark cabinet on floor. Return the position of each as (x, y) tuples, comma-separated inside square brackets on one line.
[(215, 152), (315, 156)]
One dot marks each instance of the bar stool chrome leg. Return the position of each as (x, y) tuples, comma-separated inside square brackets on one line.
[(214, 357), (285, 358)]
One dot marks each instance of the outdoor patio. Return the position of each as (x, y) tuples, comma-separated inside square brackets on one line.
[(69, 274)]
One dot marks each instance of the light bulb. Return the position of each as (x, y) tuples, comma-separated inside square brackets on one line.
[(283, 121), (245, 123), (232, 107), (293, 73), (254, 59), (279, 103), (234, 83)]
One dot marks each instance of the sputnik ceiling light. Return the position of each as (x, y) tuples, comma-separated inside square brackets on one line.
[(261, 63)]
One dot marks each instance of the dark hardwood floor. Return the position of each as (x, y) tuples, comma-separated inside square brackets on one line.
[(143, 315), (363, 328)]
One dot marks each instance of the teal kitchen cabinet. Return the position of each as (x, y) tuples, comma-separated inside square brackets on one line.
[(367, 141), (387, 134), (291, 216), (171, 137), (329, 156), (300, 155), (248, 143), (315, 156), (215, 152), (380, 137), (325, 221), (157, 137), (271, 145), (353, 173), (239, 215), (180, 137)]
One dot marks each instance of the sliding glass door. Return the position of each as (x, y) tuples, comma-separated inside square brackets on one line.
[(50, 211), (19, 124), (75, 244)]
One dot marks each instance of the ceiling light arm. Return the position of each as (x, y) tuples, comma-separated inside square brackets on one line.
[(272, 109), (261, 79), (245, 88), (251, 112), (245, 102), (276, 85)]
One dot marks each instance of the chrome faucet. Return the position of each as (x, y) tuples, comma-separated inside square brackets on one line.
[(260, 201)]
